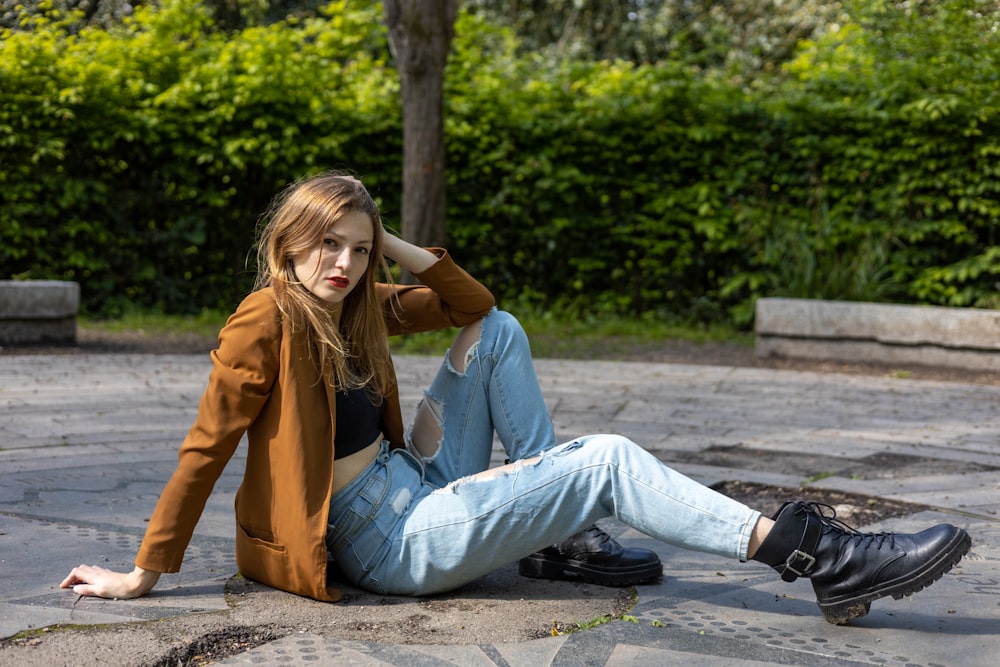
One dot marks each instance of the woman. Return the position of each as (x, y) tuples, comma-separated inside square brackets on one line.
[(303, 369)]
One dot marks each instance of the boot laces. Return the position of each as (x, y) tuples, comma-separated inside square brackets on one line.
[(831, 524), (591, 540), (600, 537)]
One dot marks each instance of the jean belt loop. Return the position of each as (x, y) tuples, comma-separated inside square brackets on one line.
[(384, 452)]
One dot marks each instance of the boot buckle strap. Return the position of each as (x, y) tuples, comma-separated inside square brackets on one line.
[(799, 564)]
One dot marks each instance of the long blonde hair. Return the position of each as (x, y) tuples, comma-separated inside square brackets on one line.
[(354, 351)]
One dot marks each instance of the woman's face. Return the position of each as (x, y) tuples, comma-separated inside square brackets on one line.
[(337, 265)]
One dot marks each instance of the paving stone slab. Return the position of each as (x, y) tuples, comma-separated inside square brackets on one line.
[(85, 499), (39, 552)]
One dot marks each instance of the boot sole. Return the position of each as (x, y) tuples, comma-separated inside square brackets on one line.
[(574, 570), (843, 609)]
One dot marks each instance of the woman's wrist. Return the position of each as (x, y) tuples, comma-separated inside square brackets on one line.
[(142, 580)]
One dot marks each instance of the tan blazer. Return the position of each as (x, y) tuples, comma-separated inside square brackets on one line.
[(264, 383)]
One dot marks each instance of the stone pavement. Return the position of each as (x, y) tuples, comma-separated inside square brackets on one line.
[(87, 441)]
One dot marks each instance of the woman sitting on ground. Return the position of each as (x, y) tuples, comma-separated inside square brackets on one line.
[(303, 369)]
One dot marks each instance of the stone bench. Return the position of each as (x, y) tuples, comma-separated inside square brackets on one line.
[(36, 312), (965, 338)]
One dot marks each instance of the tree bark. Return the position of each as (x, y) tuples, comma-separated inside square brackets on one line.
[(420, 32)]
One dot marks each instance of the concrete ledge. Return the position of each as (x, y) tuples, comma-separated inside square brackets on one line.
[(38, 311), (852, 331)]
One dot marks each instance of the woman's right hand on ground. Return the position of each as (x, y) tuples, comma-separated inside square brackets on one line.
[(103, 583)]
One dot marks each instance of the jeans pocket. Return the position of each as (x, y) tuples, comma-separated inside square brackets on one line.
[(361, 535), (354, 513)]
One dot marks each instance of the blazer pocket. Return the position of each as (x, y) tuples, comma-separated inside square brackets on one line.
[(258, 538), (261, 560)]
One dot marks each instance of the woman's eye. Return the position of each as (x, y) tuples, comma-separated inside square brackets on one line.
[(363, 251)]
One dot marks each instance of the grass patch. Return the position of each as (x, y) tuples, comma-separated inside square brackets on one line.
[(562, 336), (553, 334), (205, 323)]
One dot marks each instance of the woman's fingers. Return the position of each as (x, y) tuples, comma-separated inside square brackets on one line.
[(93, 580)]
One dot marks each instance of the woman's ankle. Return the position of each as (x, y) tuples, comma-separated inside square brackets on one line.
[(760, 532)]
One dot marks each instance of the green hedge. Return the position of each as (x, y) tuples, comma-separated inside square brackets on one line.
[(136, 161), (869, 173)]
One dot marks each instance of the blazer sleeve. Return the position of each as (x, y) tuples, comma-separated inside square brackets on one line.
[(244, 368), (448, 297)]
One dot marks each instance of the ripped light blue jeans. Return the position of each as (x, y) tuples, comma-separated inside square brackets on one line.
[(411, 524)]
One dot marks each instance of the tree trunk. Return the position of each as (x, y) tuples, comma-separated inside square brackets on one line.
[(420, 32)]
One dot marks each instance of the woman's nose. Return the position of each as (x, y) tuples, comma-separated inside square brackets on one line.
[(343, 259)]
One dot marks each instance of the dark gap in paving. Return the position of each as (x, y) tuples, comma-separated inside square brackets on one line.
[(853, 508), (219, 645), (812, 466)]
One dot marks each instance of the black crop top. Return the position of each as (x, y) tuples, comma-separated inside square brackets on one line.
[(358, 422)]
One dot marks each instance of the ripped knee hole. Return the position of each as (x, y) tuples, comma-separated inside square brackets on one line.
[(427, 430)]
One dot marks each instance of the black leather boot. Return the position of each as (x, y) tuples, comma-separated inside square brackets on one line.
[(594, 557), (848, 568)]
